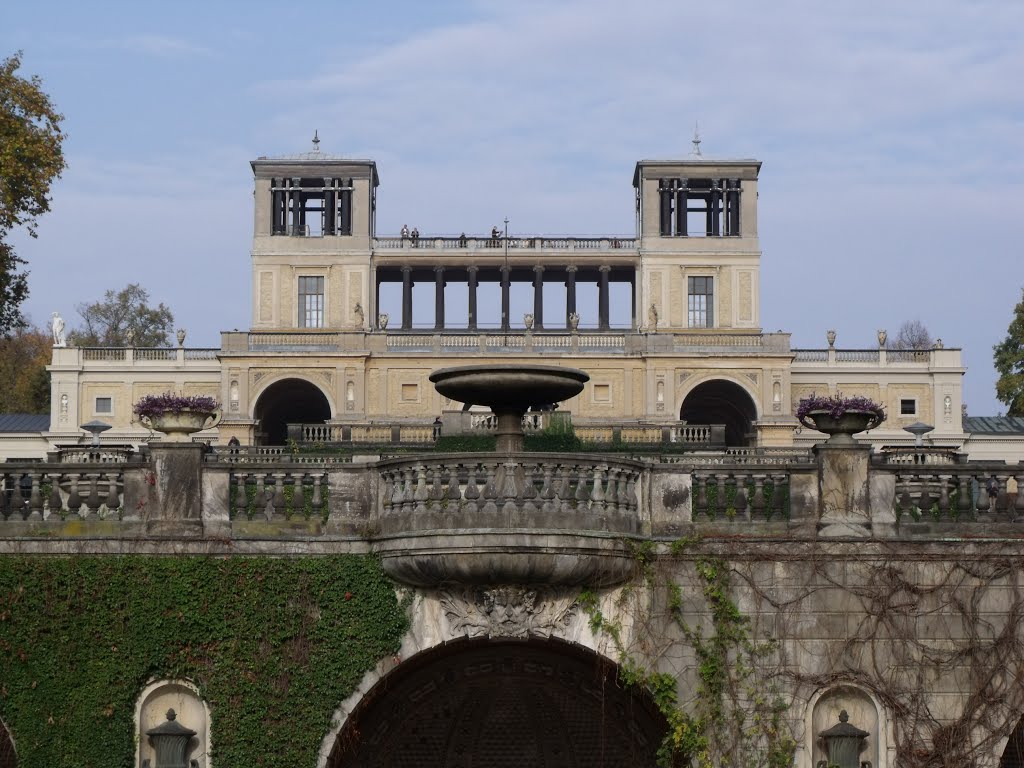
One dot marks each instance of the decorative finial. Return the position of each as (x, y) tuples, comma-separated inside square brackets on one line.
[(171, 714), (316, 141), (844, 717), (695, 152)]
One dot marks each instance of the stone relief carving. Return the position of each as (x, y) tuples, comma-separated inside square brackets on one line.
[(752, 375), (506, 611)]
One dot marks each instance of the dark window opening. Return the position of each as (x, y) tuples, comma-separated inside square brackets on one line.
[(699, 207), (908, 407), (311, 207)]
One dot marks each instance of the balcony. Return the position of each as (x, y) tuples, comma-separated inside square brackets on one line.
[(484, 244)]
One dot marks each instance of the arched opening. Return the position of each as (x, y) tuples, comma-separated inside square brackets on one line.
[(722, 402), (289, 401), (8, 757), (1013, 754), (502, 703)]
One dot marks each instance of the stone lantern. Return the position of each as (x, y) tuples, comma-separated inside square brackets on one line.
[(170, 740), (843, 744)]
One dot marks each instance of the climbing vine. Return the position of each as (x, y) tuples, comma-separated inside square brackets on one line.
[(274, 646), (736, 715), (936, 637)]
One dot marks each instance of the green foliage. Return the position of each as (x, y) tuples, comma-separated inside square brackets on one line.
[(1009, 362), (24, 355), (466, 444), (30, 161), (734, 718), (123, 319), (273, 644)]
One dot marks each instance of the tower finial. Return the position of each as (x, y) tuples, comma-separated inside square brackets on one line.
[(695, 152), (316, 141)]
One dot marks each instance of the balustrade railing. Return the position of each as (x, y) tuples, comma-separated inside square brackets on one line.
[(531, 242), (736, 495), (278, 493), (768, 457), (53, 492), (960, 493), (919, 455), (509, 492)]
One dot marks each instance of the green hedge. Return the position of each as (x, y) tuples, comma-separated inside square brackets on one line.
[(273, 644)]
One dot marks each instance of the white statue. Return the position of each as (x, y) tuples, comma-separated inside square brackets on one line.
[(57, 327)]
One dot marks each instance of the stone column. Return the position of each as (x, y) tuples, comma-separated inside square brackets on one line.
[(538, 297), (406, 298), (505, 298), (472, 297), (570, 293), (438, 298), (296, 198), (602, 298)]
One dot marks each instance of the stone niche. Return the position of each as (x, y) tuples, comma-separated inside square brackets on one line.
[(191, 711), (862, 713)]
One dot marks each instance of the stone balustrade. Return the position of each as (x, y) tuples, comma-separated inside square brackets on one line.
[(961, 493), (526, 491), (36, 492), (528, 243)]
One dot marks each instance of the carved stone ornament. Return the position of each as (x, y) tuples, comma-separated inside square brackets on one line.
[(507, 611)]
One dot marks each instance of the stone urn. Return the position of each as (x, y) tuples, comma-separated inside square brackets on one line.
[(178, 425), (883, 336), (830, 337), (528, 321), (574, 321), (841, 429), (382, 320)]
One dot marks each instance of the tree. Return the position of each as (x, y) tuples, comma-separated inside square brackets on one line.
[(1009, 360), (24, 355), (124, 319), (912, 335), (31, 159)]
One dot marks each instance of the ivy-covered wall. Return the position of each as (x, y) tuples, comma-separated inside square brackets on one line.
[(273, 644)]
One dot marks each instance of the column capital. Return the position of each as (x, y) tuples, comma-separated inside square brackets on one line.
[(439, 269), (538, 267), (571, 269), (406, 269), (604, 268), (473, 269)]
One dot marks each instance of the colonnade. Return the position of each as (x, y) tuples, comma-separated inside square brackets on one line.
[(570, 275)]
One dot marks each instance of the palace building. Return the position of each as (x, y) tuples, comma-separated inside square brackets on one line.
[(347, 325)]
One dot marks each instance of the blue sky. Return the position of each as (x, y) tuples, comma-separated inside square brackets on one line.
[(892, 137)]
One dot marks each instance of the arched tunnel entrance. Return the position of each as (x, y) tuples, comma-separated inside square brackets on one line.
[(502, 704), (289, 401), (722, 402)]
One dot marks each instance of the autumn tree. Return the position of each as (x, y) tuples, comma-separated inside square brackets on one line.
[(912, 335), (123, 319), (24, 355), (30, 161), (1009, 361)]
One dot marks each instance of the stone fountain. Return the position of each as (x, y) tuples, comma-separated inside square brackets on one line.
[(509, 391)]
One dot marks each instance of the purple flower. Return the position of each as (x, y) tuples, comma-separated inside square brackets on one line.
[(158, 405), (837, 405)]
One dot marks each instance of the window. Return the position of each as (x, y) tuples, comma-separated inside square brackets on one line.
[(311, 302), (908, 407), (104, 405), (701, 298)]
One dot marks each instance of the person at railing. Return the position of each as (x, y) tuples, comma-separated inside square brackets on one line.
[(233, 444), (463, 242), (415, 237), (405, 232), (495, 236), (438, 425)]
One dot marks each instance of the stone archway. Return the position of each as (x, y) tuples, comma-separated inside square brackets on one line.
[(8, 757), (498, 703), (722, 402), (1013, 753), (289, 401)]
